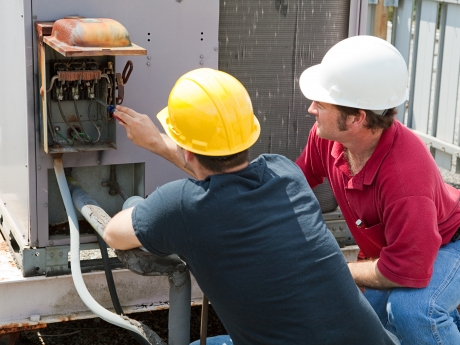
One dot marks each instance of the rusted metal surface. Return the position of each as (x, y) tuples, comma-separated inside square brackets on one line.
[(91, 32), (8, 268), (127, 71), (19, 327), (78, 75), (82, 148), (88, 37), (43, 29), (122, 79), (9, 339)]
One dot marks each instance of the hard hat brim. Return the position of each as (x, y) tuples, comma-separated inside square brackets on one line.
[(311, 87), (163, 115)]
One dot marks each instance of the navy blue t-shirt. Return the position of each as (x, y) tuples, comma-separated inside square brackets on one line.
[(256, 242)]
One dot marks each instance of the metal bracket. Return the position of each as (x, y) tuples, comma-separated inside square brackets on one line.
[(33, 262), (337, 225), (57, 260)]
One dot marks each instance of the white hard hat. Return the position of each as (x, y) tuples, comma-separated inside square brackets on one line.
[(362, 72)]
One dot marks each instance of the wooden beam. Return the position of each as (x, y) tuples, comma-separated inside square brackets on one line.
[(381, 20)]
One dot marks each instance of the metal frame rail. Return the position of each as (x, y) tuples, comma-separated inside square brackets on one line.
[(427, 33)]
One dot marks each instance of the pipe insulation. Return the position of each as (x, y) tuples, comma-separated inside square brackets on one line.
[(180, 288), (88, 300)]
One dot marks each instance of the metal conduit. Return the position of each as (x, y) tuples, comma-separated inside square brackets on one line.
[(77, 277), (180, 288), (179, 279)]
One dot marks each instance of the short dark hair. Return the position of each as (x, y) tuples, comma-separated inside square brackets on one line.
[(219, 164), (374, 121)]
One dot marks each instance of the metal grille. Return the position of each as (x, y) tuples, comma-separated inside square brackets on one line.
[(267, 45)]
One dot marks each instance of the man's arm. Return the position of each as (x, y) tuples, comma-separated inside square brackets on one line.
[(366, 274), (119, 232), (141, 130)]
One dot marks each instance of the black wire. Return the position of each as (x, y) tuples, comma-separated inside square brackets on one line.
[(109, 276), (112, 290)]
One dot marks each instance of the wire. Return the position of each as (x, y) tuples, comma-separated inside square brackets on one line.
[(112, 289), (67, 122), (109, 275), (50, 120), (52, 83), (71, 143), (79, 120), (90, 120)]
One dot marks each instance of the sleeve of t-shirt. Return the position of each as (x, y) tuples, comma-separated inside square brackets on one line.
[(412, 241), (158, 222), (310, 161)]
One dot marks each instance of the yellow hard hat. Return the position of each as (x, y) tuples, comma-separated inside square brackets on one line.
[(209, 112)]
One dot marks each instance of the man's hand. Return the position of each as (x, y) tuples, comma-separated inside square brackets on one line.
[(141, 130), (367, 275)]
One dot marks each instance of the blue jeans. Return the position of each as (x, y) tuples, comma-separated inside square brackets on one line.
[(428, 315), (218, 340)]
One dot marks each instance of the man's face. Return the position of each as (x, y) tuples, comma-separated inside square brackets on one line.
[(330, 124)]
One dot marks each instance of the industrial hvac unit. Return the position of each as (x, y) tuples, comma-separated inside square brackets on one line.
[(267, 45), (65, 63), (59, 80)]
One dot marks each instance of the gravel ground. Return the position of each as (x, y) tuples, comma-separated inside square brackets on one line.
[(451, 177), (99, 332)]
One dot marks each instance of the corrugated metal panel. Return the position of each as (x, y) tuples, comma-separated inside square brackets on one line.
[(267, 45)]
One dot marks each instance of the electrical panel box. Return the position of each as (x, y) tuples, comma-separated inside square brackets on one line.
[(78, 81)]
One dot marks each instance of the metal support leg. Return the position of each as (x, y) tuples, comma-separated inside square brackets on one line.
[(204, 320)]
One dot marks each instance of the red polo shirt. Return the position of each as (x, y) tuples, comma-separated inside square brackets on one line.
[(407, 209)]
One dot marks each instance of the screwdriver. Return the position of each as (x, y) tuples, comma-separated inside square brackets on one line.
[(110, 108)]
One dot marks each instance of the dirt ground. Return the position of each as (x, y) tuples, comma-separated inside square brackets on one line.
[(99, 332)]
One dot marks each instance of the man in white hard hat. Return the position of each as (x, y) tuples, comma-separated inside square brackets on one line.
[(251, 233), (402, 215)]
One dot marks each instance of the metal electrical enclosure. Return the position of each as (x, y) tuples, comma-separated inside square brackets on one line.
[(178, 35), (78, 82)]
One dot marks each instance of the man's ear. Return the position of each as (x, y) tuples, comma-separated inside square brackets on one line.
[(360, 117), (189, 156)]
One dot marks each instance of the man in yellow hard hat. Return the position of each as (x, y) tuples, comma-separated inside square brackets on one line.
[(402, 215), (251, 233)]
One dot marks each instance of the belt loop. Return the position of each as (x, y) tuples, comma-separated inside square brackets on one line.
[(456, 236)]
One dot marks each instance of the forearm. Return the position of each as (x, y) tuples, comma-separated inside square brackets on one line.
[(366, 274), (169, 152), (119, 232)]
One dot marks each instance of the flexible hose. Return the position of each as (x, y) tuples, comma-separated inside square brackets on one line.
[(77, 277)]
